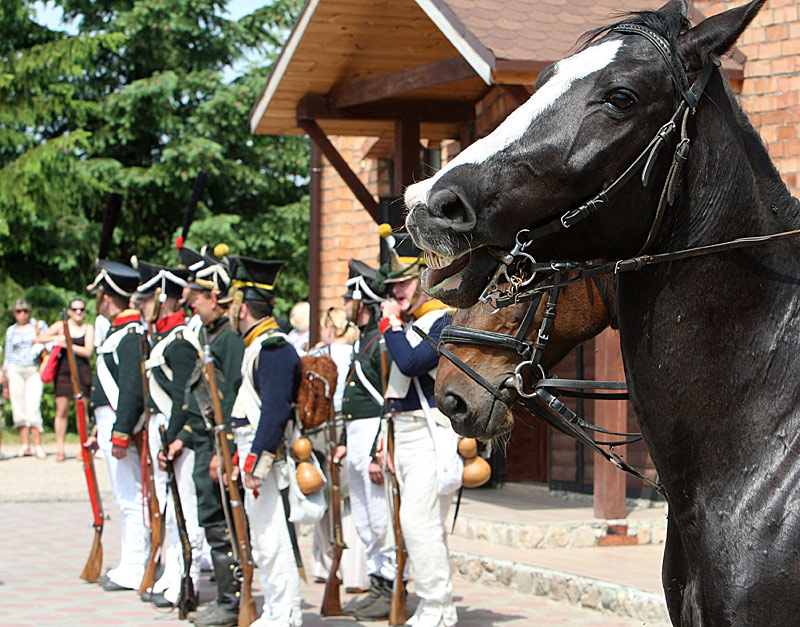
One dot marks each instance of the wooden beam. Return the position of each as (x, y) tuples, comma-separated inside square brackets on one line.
[(403, 82), (361, 193), (315, 107), (406, 155), (609, 481)]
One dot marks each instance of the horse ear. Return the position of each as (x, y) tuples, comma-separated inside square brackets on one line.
[(675, 6), (715, 35)]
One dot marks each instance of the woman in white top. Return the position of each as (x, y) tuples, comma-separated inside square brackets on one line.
[(21, 369)]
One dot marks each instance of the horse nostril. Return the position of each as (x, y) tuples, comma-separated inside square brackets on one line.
[(445, 203), (453, 406)]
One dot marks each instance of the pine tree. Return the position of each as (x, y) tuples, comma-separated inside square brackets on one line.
[(137, 102)]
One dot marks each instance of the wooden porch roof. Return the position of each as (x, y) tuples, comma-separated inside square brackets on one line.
[(356, 66)]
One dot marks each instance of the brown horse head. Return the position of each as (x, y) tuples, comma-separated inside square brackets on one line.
[(473, 410)]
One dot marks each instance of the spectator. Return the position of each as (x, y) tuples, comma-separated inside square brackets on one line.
[(82, 334), (21, 369), (299, 319)]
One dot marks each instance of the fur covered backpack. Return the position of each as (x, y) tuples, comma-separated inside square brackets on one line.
[(317, 387)]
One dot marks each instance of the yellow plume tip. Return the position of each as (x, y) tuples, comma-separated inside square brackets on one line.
[(385, 230), (220, 250)]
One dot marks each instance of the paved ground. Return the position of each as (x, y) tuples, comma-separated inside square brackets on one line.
[(45, 523)]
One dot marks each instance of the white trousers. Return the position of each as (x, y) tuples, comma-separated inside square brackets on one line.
[(172, 558), (25, 392), (368, 501), (272, 547), (422, 517), (126, 484), (352, 568)]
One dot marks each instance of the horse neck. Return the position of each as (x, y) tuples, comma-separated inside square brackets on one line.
[(708, 342), (733, 188)]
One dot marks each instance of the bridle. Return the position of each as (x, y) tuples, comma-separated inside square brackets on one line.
[(542, 397)]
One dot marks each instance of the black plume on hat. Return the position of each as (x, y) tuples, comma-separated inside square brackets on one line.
[(114, 278)]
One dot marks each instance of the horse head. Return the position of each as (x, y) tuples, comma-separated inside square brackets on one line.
[(472, 409), (590, 117)]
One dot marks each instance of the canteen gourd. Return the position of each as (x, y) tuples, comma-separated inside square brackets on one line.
[(308, 477), (476, 469)]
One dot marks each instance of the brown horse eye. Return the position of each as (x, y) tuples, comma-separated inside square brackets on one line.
[(621, 100)]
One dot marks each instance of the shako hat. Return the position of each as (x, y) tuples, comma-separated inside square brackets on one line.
[(253, 279), (211, 271), (155, 278), (405, 258), (114, 278), (359, 283)]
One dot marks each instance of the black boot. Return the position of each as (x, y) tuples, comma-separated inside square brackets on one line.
[(226, 609), (379, 608), (360, 603)]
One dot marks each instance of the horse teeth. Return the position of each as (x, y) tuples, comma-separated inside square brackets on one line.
[(436, 262)]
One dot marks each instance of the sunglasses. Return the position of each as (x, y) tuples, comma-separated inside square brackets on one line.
[(22, 310), (77, 308)]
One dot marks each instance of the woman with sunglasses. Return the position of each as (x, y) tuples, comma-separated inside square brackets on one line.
[(82, 335), (21, 369)]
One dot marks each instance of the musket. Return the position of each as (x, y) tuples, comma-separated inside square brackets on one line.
[(247, 604), (331, 601), (398, 610), (95, 562), (153, 516), (298, 559), (187, 600)]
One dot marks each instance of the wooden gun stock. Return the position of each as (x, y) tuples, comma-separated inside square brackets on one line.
[(398, 610), (156, 520), (331, 600), (151, 504), (91, 571), (187, 601), (247, 604)]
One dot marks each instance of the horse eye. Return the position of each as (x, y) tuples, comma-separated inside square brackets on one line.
[(621, 100)]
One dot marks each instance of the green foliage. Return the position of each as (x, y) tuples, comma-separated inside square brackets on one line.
[(137, 103)]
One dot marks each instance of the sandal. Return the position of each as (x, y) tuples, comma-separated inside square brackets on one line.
[(61, 457), (24, 452), (40, 454)]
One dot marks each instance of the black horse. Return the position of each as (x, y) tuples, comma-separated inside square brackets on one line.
[(710, 342)]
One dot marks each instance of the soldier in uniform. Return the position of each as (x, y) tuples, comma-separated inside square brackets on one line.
[(271, 374), (424, 439), (209, 284), (362, 406), (170, 363), (118, 412)]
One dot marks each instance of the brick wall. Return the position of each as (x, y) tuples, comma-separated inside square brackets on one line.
[(348, 231), (771, 88)]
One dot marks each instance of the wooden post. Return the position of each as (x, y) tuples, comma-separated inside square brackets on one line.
[(609, 481), (406, 154), (314, 243)]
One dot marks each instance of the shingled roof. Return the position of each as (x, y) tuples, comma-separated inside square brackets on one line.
[(357, 65)]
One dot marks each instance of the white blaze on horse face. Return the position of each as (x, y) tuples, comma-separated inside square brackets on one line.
[(566, 73)]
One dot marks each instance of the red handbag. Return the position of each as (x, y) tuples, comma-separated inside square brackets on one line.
[(47, 370)]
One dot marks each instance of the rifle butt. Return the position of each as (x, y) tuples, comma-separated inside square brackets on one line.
[(149, 576), (91, 571), (247, 609), (331, 600), (188, 600), (398, 610)]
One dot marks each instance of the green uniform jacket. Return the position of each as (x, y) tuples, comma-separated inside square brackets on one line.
[(357, 402), (126, 370), (227, 351), (180, 356)]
